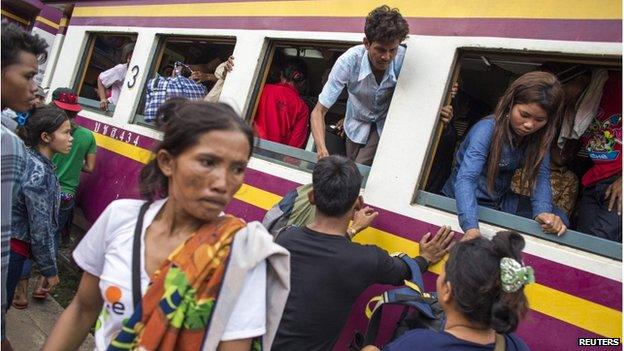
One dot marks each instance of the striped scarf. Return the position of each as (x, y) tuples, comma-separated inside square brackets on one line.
[(175, 311)]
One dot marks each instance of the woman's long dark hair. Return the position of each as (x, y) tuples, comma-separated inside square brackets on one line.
[(473, 269), (541, 88), (44, 119), (183, 123)]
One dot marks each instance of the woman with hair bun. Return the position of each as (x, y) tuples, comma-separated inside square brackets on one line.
[(282, 115), (481, 290), (173, 272)]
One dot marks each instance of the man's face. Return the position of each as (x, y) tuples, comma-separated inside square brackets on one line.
[(18, 84), (381, 54)]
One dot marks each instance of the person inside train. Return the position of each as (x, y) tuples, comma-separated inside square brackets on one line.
[(564, 184), (109, 82), (600, 206), (328, 271), (515, 136), (159, 89), (154, 270), (21, 53), (68, 169), (483, 301), (282, 115), (369, 72), (35, 208)]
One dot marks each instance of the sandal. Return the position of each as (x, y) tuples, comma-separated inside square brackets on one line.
[(40, 294), (19, 306)]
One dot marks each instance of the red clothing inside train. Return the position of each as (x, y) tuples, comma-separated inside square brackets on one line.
[(282, 116), (603, 138)]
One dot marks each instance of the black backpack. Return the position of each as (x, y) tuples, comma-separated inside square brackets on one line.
[(420, 309)]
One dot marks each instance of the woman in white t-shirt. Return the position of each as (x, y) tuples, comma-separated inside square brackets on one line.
[(177, 256)]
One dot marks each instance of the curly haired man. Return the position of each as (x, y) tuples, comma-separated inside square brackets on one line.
[(370, 72)]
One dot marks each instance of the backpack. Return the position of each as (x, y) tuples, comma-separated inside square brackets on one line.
[(294, 209), (420, 309)]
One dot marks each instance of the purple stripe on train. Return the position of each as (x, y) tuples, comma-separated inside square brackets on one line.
[(554, 29), (117, 133), (91, 3), (46, 28)]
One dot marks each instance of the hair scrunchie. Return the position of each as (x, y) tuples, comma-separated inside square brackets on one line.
[(514, 275)]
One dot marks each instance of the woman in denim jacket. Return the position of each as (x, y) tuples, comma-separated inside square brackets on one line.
[(35, 209), (518, 135)]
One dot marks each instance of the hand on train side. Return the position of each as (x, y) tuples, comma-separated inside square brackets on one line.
[(104, 105), (433, 250), (363, 218), (614, 195), (229, 65), (551, 223), (321, 151), (446, 114)]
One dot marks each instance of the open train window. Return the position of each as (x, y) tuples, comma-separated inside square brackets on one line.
[(483, 76), (314, 60), (193, 60), (105, 52)]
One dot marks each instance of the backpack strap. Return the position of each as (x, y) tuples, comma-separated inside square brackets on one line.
[(136, 255), (499, 343), (280, 231), (411, 295)]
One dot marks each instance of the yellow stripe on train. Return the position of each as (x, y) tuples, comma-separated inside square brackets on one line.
[(555, 9), (582, 313)]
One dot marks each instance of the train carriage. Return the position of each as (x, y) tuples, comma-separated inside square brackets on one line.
[(481, 44)]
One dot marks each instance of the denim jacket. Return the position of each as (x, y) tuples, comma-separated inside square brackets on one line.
[(468, 181), (35, 211)]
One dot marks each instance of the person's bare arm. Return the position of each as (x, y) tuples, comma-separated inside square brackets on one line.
[(235, 345), (102, 94), (318, 129), (89, 164), (75, 322)]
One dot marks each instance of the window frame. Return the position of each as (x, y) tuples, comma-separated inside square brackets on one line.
[(155, 61), (78, 81), (572, 238), (263, 147)]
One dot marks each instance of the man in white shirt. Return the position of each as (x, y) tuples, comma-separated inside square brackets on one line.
[(112, 79), (369, 72)]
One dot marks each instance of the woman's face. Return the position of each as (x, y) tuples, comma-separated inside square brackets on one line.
[(526, 119), (204, 178), (61, 140)]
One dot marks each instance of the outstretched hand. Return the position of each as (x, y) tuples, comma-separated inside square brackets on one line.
[(433, 250), (363, 218)]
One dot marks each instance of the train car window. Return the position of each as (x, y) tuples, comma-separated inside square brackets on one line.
[(183, 66), (105, 65), (297, 68), (483, 77)]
